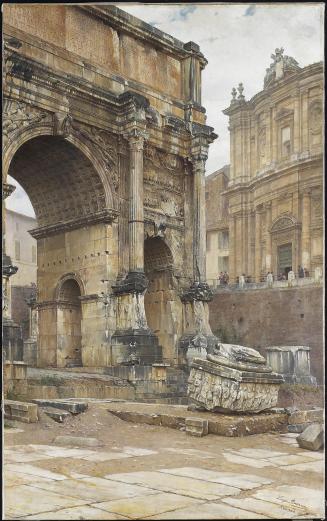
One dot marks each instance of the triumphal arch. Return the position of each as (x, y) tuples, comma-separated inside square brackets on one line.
[(104, 129)]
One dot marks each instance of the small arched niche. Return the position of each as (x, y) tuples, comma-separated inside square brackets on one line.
[(69, 319)]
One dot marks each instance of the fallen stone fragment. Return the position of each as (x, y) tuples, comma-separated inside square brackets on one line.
[(57, 415), (308, 416), (73, 407), (312, 438), (77, 441), (196, 427), (297, 427), (21, 411)]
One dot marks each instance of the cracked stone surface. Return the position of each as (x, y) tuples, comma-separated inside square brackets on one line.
[(151, 472)]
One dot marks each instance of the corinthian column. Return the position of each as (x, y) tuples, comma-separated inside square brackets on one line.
[(306, 230), (136, 213), (268, 235), (199, 206)]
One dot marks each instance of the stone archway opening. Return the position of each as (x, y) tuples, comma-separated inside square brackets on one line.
[(72, 206), (60, 180), (69, 319), (161, 298)]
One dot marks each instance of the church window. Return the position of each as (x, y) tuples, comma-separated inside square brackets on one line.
[(286, 141)]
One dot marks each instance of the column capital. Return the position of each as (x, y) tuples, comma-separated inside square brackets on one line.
[(306, 192), (267, 205), (136, 138), (7, 189)]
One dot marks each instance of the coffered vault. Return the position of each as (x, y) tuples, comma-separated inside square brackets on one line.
[(109, 141)]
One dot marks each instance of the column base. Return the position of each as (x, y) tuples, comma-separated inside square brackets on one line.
[(198, 291), (135, 347), (134, 282)]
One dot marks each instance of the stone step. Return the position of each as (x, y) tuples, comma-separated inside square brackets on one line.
[(71, 406), (218, 423), (57, 415), (21, 411)]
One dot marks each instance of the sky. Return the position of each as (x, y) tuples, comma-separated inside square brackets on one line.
[(237, 40)]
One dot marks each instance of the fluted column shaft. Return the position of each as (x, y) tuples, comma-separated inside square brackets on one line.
[(136, 211), (306, 204), (268, 237), (257, 258), (199, 237)]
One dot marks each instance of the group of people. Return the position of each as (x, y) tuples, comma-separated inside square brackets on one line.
[(302, 272), (223, 278)]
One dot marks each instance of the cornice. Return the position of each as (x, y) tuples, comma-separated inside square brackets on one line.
[(269, 92), (119, 19), (105, 216), (306, 163)]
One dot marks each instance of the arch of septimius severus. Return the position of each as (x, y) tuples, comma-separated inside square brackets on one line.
[(104, 129)]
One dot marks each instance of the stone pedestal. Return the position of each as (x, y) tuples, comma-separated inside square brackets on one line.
[(223, 389), (233, 379), (12, 340), (134, 347), (198, 339), (30, 352), (293, 362)]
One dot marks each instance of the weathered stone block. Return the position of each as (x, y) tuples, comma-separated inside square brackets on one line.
[(312, 415), (73, 407), (221, 388), (25, 412), (297, 427), (196, 427), (312, 438), (56, 414), (173, 422)]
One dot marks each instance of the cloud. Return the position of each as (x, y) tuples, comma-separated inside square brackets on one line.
[(250, 10), (182, 14)]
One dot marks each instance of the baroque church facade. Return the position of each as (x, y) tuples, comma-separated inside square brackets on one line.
[(271, 202)]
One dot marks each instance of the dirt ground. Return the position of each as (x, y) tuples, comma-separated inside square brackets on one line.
[(115, 434)]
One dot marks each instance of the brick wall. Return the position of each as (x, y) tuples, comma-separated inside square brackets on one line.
[(264, 317)]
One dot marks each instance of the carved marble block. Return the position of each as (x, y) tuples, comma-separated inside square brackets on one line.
[(233, 379)]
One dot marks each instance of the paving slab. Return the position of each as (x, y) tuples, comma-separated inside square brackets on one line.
[(94, 489), (143, 507), (178, 484), (35, 471), (314, 455), (263, 507), (12, 479), (242, 481), (77, 441), (58, 452), (313, 466), (192, 452), (209, 511), (26, 499), (105, 456), (290, 459), (258, 453), (311, 500), (237, 458), (135, 451), (19, 457), (83, 512)]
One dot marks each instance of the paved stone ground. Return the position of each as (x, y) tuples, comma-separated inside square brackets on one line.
[(150, 472)]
